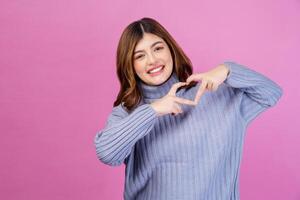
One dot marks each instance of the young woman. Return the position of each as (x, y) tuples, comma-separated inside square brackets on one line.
[(179, 134)]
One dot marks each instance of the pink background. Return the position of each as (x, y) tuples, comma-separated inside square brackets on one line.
[(58, 82)]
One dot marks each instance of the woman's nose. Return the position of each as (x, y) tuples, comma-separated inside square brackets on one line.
[(151, 59)]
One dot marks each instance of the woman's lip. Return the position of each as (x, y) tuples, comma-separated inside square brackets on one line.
[(158, 72), (154, 68)]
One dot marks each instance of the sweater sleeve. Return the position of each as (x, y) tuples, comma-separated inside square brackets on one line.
[(258, 91), (122, 130)]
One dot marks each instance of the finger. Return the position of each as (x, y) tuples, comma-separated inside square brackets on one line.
[(184, 101), (194, 77), (215, 87), (176, 109), (209, 85), (180, 109), (174, 88), (201, 91)]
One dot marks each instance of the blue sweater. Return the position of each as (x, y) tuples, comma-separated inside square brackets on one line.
[(195, 155)]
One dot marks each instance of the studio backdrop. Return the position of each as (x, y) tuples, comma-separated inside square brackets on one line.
[(58, 83)]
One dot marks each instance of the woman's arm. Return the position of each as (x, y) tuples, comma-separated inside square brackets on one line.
[(122, 130), (259, 92)]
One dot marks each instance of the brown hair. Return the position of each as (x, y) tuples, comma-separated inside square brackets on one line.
[(129, 92)]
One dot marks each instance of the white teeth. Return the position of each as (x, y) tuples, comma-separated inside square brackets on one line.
[(155, 70)]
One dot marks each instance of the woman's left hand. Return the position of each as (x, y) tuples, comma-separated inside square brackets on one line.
[(210, 80)]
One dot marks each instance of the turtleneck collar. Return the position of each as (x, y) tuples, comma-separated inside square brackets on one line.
[(157, 91)]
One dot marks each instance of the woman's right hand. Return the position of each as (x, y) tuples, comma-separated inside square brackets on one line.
[(170, 102)]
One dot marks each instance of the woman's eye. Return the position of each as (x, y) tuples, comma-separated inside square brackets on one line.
[(139, 56), (157, 48)]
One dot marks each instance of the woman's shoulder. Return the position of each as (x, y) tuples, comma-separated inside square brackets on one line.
[(119, 110)]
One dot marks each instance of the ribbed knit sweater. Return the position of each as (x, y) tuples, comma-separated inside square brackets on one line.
[(194, 155)]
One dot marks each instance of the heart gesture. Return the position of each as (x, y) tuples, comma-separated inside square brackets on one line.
[(210, 80), (170, 103)]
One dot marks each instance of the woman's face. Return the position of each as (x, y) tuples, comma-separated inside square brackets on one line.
[(152, 60)]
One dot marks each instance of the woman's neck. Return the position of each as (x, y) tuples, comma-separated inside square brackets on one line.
[(157, 91)]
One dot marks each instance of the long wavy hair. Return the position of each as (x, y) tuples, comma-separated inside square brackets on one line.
[(129, 94)]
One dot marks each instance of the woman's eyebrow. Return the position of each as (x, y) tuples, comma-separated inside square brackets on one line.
[(150, 47)]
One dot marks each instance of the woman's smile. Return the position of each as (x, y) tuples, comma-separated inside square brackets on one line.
[(156, 71)]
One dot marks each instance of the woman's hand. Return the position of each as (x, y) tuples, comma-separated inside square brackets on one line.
[(170, 102), (209, 80)]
